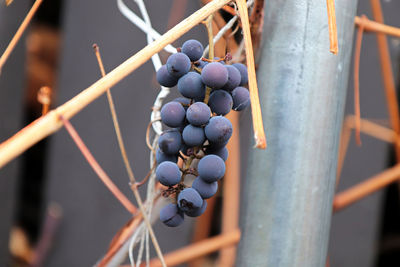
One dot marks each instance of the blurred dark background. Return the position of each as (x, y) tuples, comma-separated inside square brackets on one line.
[(57, 51)]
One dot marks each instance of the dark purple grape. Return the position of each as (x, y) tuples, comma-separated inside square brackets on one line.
[(189, 200), (193, 136), (218, 130), (178, 64), (214, 75), (197, 212), (198, 114), (241, 98), (171, 216), (220, 152), (168, 173), (164, 78), (170, 141), (233, 78), (193, 49), (211, 168), (220, 102), (243, 73), (173, 114), (161, 157), (191, 86), (206, 190)]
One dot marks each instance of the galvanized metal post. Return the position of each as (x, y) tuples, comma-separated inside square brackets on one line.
[(289, 187)]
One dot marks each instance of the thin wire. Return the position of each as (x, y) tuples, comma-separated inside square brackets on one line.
[(132, 17), (155, 113)]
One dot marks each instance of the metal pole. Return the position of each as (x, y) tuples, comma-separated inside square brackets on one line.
[(289, 187)]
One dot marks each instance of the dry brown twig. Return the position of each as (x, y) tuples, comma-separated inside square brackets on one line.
[(373, 26), (357, 54), (44, 98), (258, 126), (19, 32), (333, 40), (96, 167), (198, 249)]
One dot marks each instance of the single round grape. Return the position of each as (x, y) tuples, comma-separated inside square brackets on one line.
[(218, 130), (191, 86), (161, 157), (198, 114), (197, 212), (193, 49), (173, 114), (164, 78), (168, 173), (178, 64), (241, 98), (193, 136), (220, 152), (211, 168), (220, 102), (234, 78), (170, 141), (214, 75), (206, 190), (189, 200), (243, 73), (171, 215)]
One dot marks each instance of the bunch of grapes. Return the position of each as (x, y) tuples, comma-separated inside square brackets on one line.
[(198, 130)]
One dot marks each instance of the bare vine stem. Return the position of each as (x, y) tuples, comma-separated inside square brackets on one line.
[(114, 117), (19, 33), (96, 166)]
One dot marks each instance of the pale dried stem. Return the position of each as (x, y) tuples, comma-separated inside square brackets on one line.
[(366, 188), (50, 123), (231, 192), (19, 33), (367, 127), (96, 167), (258, 126), (373, 26), (115, 119), (357, 54), (333, 39), (198, 249)]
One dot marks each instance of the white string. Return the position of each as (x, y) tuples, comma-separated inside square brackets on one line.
[(151, 34), (132, 17)]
